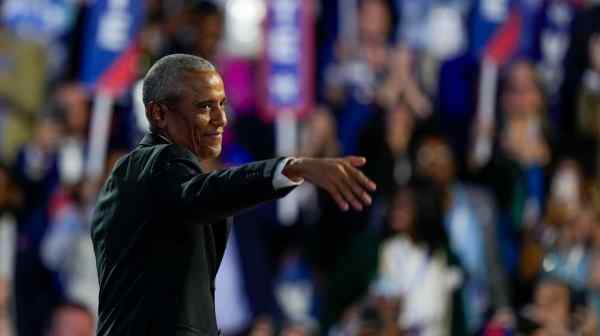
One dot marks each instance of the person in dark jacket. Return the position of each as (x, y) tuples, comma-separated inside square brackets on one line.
[(159, 227)]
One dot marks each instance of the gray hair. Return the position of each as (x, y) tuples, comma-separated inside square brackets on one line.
[(163, 80)]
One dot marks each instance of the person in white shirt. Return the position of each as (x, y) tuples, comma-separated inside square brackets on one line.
[(415, 264)]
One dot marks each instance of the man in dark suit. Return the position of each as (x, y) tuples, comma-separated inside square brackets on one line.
[(159, 228)]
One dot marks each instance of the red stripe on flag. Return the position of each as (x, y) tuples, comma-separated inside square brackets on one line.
[(122, 72), (505, 42)]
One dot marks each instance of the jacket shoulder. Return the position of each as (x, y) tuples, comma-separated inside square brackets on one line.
[(167, 154)]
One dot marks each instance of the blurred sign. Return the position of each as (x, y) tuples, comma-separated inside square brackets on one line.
[(110, 50), (42, 20), (287, 70)]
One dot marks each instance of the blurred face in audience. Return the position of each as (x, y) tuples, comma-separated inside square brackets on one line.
[(522, 98), (46, 135), (565, 192), (196, 119), (69, 321), (402, 216), (582, 227), (566, 184), (374, 21), (552, 302), (319, 136), (262, 327), (74, 100), (210, 28), (374, 26), (436, 161)]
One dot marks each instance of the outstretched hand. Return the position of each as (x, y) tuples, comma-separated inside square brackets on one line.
[(338, 176)]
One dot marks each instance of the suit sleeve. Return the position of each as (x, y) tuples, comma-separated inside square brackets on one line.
[(180, 185)]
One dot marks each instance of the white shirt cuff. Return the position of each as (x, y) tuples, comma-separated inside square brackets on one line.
[(281, 181)]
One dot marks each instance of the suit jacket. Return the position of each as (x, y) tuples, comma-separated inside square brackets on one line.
[(159, 234)]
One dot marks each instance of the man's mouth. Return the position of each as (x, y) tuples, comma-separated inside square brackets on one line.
[(213, 135)]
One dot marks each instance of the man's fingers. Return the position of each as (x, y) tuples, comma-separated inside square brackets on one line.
[(356, 161), (351, 180), (337, 197), (364, 181), (344, 188)]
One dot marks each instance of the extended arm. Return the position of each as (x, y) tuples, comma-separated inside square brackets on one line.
[(181, 185)]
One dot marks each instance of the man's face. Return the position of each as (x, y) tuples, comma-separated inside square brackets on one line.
[(197, 120)]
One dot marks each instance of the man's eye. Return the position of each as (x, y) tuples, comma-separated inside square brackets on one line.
[(204, 107)]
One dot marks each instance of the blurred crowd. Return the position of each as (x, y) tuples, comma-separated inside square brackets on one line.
[(486, 220)]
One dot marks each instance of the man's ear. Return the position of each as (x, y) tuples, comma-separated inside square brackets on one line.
[(156, 114)]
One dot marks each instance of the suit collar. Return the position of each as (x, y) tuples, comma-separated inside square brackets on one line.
[(151, 139)]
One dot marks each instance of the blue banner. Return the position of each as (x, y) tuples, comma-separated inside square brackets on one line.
[(109, 48), (288, 57)]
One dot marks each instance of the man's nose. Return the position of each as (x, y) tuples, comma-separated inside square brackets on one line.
[(219, 118)]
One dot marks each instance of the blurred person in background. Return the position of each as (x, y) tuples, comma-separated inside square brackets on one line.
[(523, 141), (210, 21), (566, 237), (71, 104), (387, 144), (319, 136), (359, 63), (588, 112), (517, 172), (196, 29), (71, 319), (551, 308), (579, 64), (417, 268), (470, 220), (353, 79), (588, 103), (37, 175), (556, 310), (569, 258), (400, 83), (65, 248), (331, 233), (566, 198)]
